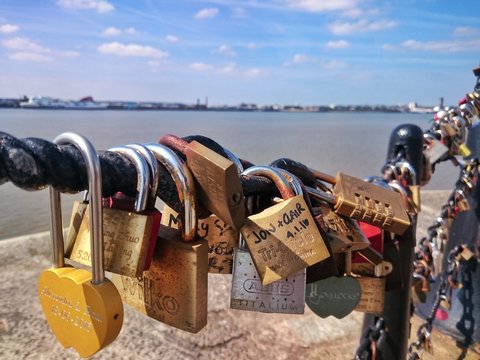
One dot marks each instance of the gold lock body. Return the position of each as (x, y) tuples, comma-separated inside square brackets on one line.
[(283, 239), (174, 290), (82, 315), (126, 236), (343, 233), (372, 204), (218, 184), (372, 298)]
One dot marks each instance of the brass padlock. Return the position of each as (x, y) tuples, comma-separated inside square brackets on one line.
[(365, 202), (222, 239), (283, 239), (130, 232), (218, 183), (84, 310), (343, 233), (461, 200), (174, 289), (372, 280)]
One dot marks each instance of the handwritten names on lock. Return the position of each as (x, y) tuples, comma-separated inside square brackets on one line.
[(283, 239), (222, 239), (126, 238)]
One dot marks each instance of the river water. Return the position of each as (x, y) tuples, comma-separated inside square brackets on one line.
[(354, 143)]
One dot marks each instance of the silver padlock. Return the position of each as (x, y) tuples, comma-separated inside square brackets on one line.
[(283, 296)]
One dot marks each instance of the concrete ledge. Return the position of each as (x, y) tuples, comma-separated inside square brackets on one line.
[(229, 334)]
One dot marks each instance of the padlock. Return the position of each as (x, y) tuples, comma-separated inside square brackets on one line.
[(84, 310), (332, 265), (130, 231), (334, 296), (461, 200), (434, 150), (372, 298), (218, 183), (365, 202), (248, 293), (222, 239), (343, 233), (372, 280), (283, 239), (174, 289), (78, 212)]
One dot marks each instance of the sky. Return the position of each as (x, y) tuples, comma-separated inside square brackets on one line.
[(297, 52)]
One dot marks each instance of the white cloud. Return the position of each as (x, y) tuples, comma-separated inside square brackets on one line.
[(171, 38), (111, 31), (8, 28), (29, 56), (347, 28), (353, 13), (254, 72), (252, 45), (224, 50), (442, 46), (466, 31), (340, 44), (228, 69), (206, 13), (100, 6), (131, 50), (389, 47), (300, 58), (24, 44), (322, 5), (200, 66)]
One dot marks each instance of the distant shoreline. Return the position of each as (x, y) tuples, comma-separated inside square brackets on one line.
[(343, 110)]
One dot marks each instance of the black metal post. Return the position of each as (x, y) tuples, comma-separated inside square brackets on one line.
[(406, 144)]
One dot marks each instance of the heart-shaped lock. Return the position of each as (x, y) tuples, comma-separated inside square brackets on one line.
[(84, 310), (337, 296)]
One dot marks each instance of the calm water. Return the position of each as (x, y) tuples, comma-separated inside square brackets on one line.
[(354, 143)]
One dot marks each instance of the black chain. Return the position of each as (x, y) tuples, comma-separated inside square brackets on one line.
[(372, 337)]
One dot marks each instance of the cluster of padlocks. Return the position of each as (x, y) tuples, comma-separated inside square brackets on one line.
[(292, 248), (320, 244)]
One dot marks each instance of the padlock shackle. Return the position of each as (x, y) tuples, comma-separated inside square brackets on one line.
[(275, 176), (154, 171), (94, 174), (324, 177), (185, 187), (292, 181), (233, 158), (174, 142), (143, 175), (321, 195)]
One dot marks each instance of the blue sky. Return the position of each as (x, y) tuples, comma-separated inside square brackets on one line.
[(306, 52)]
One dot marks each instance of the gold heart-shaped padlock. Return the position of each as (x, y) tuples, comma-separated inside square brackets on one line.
[(84, 310)]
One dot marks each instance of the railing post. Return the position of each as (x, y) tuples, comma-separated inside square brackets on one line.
[(406, 144)]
